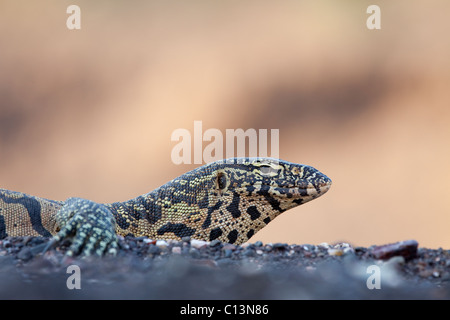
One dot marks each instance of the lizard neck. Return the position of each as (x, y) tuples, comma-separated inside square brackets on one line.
[(137, 217)]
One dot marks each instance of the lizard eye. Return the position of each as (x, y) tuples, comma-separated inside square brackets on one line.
[(267, 170), (221, 180)]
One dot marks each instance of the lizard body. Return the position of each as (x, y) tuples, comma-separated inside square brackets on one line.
[(229, 200)]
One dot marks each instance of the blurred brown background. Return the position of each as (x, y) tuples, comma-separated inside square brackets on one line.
[(90, 113)]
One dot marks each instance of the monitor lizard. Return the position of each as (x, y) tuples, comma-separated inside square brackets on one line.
[(229, 200)]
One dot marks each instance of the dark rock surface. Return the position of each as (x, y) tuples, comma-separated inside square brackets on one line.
[(192, 269)]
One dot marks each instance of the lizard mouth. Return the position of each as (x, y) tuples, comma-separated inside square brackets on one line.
[(322, 185), (295, 191), (292, 197), (325, 186), (309, 192)]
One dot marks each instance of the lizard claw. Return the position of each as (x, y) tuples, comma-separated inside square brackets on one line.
[(89, 225)]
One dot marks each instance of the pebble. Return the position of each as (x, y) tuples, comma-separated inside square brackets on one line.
[(155, 250), (194, 253), (280, 246), (228, 253), (162, 244), (132, 245), (407, 249), (198, 243), (335, 252), (320, 254), (215, 243), (229, 246), (25, 254), (360, 250), (176, 250), (248, 252)]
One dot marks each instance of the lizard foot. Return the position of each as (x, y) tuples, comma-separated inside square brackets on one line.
[(89, 225)]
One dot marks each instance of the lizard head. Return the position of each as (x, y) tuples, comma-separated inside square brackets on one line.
[(232, 199), (283, 184)]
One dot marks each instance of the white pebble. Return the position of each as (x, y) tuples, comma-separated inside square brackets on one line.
[(335, 252), (176, 250), (198, 243), (161, 243)]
